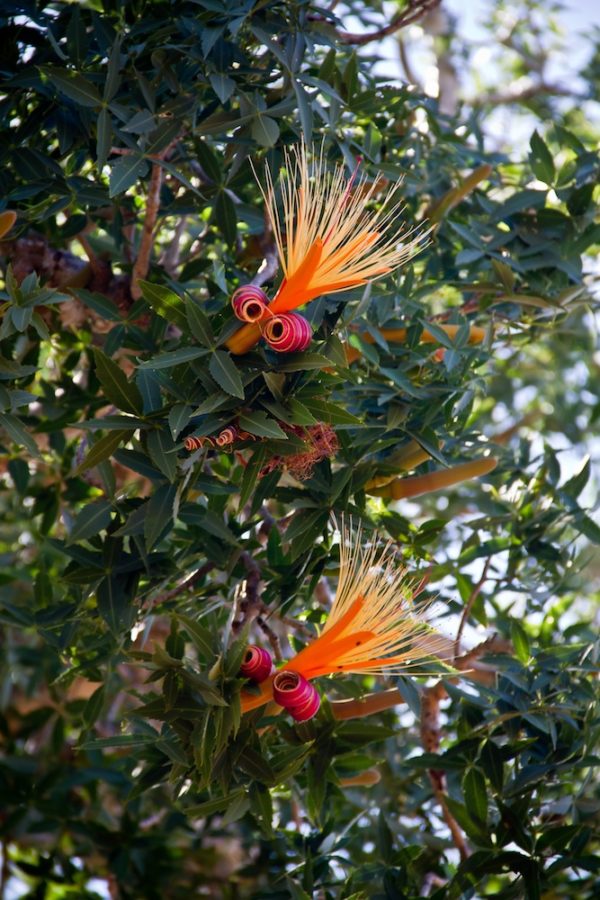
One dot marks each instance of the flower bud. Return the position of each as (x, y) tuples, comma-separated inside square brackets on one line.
[(292, 691), (249, 303), (257, 664), (287, 332)]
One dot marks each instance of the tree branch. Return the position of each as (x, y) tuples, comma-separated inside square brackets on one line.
[(416, 10), (430, 736), (516, 94), (142, 262)]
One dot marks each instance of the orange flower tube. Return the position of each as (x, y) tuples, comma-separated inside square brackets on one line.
[(398, 336), (402, 488)]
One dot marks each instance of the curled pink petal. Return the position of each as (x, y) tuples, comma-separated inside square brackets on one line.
[(288, 332), (249, 303), (309, 709), (292, 691), (227, 436), (257, 664)]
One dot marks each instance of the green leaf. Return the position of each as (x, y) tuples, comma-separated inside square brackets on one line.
[(102, 449), (173, 358), (226, 217), (261, 808), (217, 804), (224, 371), (119, 741), (166, 303), (300, 362), (301, 415), (260, 424), (92, 519), (114, 605), (160, 513), (179, 416), (94, 706), (222, 85), (122, 393), (100, 304), (475, 794), (520, 641), (199, 324), (103, 137), (209, 521), (541, 159), (251, 473), (255, 765), (209, 161), (125, 173), (141, 123), (492, 764), (578, 481), (74, 86), (15, 430), (589, 528), (200, 636), (330, 412), (161, 448), (265, 130), (162, 136), (237, 808)]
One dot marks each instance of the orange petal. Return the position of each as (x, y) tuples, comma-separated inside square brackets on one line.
[(321, 646), (327, 663), (292, 292)]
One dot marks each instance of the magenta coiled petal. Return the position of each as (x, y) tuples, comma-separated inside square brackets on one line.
[(249, 303), (257, 664), (288, 332), (292, 691)]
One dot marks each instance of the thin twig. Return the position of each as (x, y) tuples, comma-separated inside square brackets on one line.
[(251, 606), (184, 585), (469, 606), (408, 70), (272, 637)]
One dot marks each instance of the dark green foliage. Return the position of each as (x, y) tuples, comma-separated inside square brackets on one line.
[(134, 572)]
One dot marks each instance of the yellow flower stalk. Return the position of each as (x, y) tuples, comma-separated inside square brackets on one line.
[(398, 336), (374, 625), (402, 488), (327, 239)]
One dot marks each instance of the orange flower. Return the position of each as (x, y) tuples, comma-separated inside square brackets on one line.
[(373, 625), (332, 241)]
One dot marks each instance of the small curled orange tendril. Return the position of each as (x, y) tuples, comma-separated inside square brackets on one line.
[(374, 624), (332, 241)]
